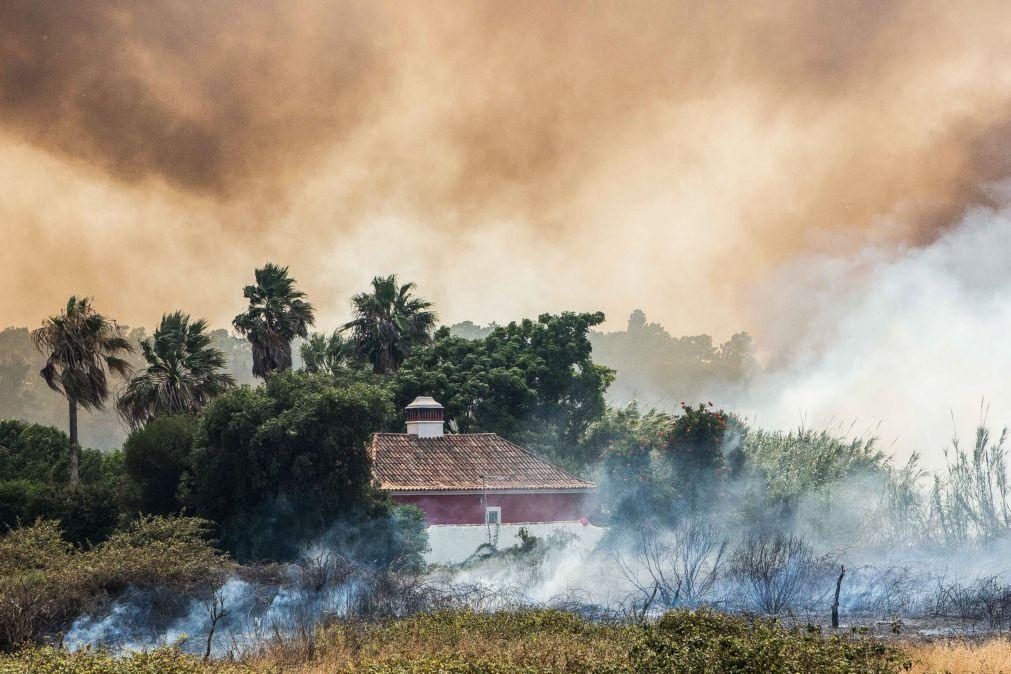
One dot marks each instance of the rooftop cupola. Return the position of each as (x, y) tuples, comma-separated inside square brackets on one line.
[(424, 417)]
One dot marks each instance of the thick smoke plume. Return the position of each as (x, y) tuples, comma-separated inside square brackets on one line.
[(905, 344), (668, 155), (673, 156)]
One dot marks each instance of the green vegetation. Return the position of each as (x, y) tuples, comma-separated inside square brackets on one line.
[(35, 482), (326, 354), (46, 582), (279, 474), (533, 382), (182, 372), (277, 314), (80, 345), (527, 641), (277, 466), (388, 323), (155, 458)]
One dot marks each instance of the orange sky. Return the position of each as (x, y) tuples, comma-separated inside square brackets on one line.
[(511, 158)]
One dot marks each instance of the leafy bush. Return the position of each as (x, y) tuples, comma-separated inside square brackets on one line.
[(155, 457), (170, 553), (35, 470), (707, 641), (46, 582), (278, 466)]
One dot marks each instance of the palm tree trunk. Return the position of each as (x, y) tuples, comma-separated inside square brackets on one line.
[(75, 448)]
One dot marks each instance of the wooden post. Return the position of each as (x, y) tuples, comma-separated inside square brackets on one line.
[(835, 602)]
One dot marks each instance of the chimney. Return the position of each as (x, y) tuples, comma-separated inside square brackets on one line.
[(424, 418)]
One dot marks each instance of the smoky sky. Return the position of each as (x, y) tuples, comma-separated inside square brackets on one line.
[(511, 158)]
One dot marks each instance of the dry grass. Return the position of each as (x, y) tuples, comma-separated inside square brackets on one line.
[(962, 657), (544, 641)]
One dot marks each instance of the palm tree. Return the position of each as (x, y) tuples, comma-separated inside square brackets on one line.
[(182, 373), (326, 354), (80, 345), (277, 314), (388, 323)]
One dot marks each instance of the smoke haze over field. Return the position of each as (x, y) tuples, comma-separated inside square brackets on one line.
[(692, 159)]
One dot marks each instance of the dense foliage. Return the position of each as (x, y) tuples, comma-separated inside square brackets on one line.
[(533, 382), (279, 465), (155, 458), (35, 482), (277, 314), (182, 372), (46, 582)]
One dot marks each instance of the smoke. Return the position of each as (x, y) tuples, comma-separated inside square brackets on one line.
[(903, 343), (663, 155)]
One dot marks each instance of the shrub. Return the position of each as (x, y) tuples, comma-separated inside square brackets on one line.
[(278, 466), (45, 582), (39, 585), (166, 660), (155, 458), (170, 553), (35, 470), (707, 641), (774, 572)]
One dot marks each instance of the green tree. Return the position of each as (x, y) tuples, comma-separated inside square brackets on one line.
[(183, 372), (277, 314), (80, 345), (155, 457), (278, 466), (388, 323), (696, 439), (533, 382), (636, 484), (326, 354), (34, 482)]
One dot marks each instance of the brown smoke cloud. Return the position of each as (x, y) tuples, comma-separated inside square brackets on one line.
[(510, 157)]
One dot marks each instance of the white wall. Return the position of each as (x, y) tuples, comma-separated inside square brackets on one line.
[(453, 543)]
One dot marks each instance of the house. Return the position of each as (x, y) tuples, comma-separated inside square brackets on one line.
[(473, 478)]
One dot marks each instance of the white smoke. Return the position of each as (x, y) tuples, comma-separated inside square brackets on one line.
[(898, 343)]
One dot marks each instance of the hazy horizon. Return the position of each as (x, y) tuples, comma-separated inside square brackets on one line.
[(828, 177)]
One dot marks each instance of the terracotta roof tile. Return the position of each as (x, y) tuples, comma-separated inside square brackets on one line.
[(471, 461)]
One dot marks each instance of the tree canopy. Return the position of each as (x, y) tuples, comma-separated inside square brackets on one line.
[(388, 323), (80, 346), (279, 465), (183, 372), (277, 314), (533, 382)]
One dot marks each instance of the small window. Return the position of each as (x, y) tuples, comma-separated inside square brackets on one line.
[(493, 515)]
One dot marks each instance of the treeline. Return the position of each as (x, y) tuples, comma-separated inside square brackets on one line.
[(278, 465), (650, 365), (23, 395), (657, 368)]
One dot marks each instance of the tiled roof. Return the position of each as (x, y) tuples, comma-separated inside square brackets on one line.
[(472, 461)]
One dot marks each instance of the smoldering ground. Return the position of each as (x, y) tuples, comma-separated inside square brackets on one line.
[(906, 564)]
